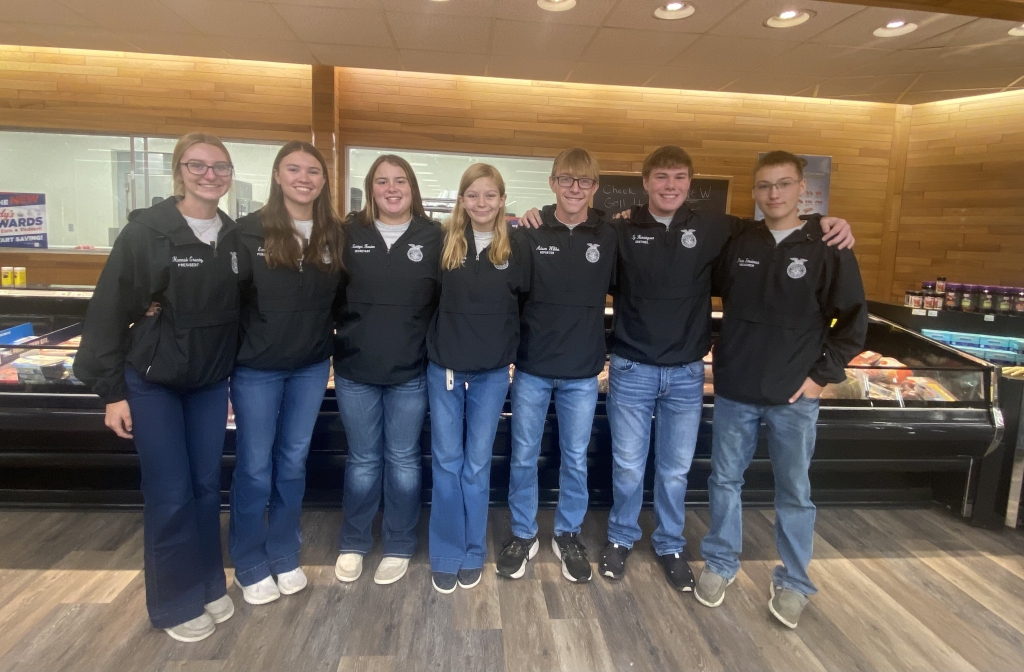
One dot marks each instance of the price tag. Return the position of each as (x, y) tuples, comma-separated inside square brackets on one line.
[(918, 311), (933, 313), (990, 318)]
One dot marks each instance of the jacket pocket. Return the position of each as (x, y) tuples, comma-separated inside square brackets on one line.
[(145, 342)]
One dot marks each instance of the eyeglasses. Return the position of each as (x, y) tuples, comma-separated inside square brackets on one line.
[(781, 185), (220, 169), (568, 180)]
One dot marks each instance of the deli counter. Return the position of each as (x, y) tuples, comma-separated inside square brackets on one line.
[(915, 422)]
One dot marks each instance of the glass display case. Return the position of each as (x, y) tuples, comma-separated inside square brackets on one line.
[(913, 423)]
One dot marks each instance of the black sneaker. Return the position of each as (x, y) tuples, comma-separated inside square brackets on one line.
[(514, 555), (613, 561), (444, 582), (570, 550), (678, 572), (468, 578)]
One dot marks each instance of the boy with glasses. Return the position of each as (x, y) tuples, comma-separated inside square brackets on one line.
[(794, 316), (571, 263)]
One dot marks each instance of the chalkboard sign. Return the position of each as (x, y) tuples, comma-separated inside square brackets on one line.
[(621, 192)]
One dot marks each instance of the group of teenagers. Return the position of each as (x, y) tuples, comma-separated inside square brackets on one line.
[(193, 308)]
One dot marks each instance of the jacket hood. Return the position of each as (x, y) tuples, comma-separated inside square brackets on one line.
[(641, 216)]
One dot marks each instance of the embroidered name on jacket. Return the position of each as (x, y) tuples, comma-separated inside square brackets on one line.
[(641, 239), (550, 249), (187, 262), (748, 263), (364, 249)]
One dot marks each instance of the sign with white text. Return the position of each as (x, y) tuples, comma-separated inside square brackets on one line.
[(22, 220)]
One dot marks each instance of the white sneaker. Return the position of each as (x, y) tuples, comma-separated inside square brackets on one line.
[(261, 592), (291, 582), (195, 630), (221, 609), (390, 569), (348, 567)]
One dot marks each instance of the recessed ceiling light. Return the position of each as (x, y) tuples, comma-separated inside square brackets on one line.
[(1017, 31), (789, 18), (674, 10), (895, 28), (556, 5)]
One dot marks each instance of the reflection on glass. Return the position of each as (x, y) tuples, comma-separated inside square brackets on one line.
[(438, 174)]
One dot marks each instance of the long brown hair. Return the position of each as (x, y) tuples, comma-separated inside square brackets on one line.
[(281, 246), (369, 213), (455, 244)]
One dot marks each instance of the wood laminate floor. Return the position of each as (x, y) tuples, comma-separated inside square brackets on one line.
[(899, 590)]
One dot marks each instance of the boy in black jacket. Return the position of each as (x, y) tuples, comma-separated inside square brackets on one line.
[(794, 316)]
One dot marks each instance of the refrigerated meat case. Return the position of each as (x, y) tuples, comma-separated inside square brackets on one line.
[(912, 433)]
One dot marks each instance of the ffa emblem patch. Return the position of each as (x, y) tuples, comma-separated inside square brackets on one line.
[(234, 262), (797, 269), (593, 254), (502, 266), (689, 240), (415, 252)]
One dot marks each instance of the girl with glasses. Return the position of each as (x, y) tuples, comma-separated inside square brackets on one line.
[(158, 344)]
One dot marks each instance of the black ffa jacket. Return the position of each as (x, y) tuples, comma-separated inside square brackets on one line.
[(286, 320), (191, 342), (476, 326), (385, 302), (779, 302), (663, 298), (563, 316)]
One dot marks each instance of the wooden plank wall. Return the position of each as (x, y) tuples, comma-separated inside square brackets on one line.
[(963, 196), (723, 131), (145, 93)]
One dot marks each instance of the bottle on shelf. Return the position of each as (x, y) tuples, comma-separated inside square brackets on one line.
[(969, 299), (954, 293), (1018, 301), (986, 300), (940, 284)]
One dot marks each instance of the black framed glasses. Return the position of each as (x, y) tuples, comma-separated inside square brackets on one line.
[(568, 180), (220, 169)]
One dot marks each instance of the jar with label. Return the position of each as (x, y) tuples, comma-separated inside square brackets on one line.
[(1004, 300), (1018, 302), (916, 299), (928, 286), (907, 296), (969, 299), (986, 300), (940, 284), (8, 276), (954, 292)]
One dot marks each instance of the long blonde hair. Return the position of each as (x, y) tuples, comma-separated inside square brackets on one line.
[(455, 245), (186, 141)]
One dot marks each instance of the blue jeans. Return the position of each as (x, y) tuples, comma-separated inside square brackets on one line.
[(791, 434), (275, 412), (462, 463), (382, 427), (674, 396), (575, 401), (179, 435)]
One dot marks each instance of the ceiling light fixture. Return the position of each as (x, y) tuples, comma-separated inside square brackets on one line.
[(674, 10), (1017, 31), (789, 18), (895, 28), (556, 5)]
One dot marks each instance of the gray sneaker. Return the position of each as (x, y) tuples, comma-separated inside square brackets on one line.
[(197, 629), (786, 605), (711, 588)]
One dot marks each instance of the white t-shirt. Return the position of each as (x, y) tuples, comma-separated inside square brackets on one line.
[(482, 239), (304, 227), (391, 232), (206, 230), (568, 226), (663, 220), (781, 234)]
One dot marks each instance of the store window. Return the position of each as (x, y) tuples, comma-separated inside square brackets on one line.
[(91, 182), (438, 174)]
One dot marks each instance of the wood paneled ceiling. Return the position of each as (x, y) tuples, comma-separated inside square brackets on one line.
[(724, 45)]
